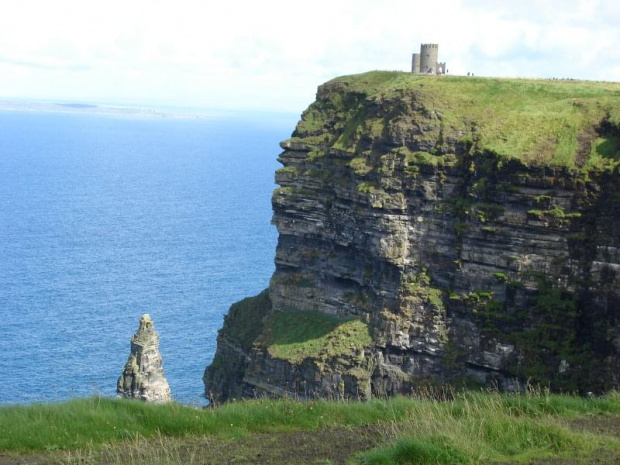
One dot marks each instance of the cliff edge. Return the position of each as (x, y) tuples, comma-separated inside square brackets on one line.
[(438, 230)]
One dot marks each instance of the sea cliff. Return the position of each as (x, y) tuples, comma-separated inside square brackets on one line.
[(438, 230)]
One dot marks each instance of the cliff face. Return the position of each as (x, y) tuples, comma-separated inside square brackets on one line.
[(420, 241)]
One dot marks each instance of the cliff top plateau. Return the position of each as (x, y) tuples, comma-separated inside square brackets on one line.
[(559, 123)]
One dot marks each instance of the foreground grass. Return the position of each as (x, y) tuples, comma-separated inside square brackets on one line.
[(471, 428), (92, 421), (482, 428)]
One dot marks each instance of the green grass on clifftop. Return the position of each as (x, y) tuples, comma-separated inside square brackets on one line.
[(545, 122)]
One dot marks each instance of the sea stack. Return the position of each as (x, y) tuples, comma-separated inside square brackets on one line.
[(143, 376)]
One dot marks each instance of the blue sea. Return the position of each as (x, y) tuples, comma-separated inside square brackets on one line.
[(104, 218)]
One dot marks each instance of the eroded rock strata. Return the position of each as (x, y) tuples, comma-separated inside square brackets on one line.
[(462, 264), (143, 375)]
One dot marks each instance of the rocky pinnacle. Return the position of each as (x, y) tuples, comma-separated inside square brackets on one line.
[(143, 376)]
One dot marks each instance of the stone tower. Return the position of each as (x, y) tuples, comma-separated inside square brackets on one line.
[(428, 58), (415, 63), (143, 376), (426, 62)]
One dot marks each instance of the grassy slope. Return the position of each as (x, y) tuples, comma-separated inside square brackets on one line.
[(244, 320), (471, 428), (294, 336), (537, 121)]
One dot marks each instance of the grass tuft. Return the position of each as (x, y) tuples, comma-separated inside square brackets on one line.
[(433, 450)]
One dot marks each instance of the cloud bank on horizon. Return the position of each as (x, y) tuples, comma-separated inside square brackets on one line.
[(271, 55)]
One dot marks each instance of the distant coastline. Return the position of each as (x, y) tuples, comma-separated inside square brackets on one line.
[(75, 107)]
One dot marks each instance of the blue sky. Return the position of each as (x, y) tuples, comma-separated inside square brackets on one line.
[(271, 55)]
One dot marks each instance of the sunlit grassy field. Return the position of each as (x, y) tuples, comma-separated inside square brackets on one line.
[(545, 122)]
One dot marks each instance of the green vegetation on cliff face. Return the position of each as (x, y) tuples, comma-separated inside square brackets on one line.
[(245, 318), (555, 334), (560, 123), (295, 336)]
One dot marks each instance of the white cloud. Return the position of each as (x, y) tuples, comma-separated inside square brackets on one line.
[(272, 54)]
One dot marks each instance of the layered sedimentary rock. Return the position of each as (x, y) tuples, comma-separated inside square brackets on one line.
[(466, 263), (143, 376)]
